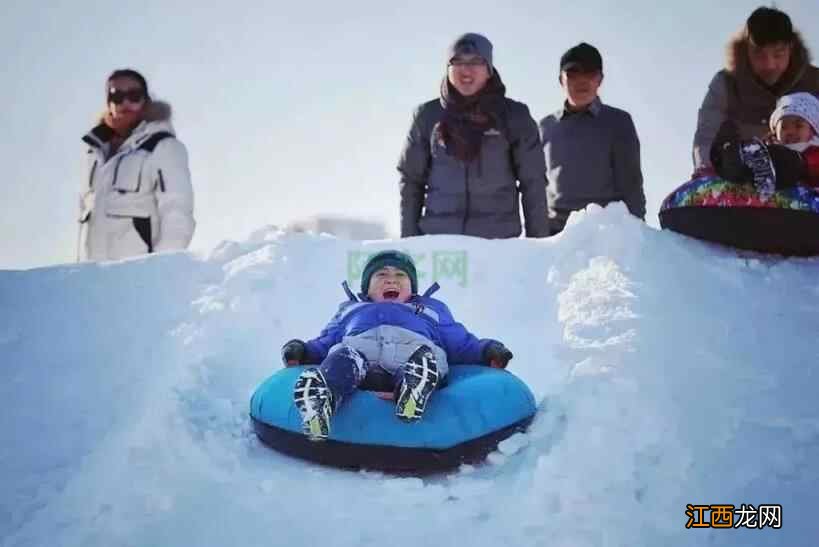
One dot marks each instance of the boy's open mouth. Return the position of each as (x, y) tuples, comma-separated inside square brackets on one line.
[(390, 294)]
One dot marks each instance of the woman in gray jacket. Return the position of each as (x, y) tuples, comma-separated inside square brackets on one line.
[(137, 196), (471, 155)]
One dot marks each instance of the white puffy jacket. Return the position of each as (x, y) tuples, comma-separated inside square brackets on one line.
[(140, 199)]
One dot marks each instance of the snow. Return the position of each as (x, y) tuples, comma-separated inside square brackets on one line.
[(668, 372)]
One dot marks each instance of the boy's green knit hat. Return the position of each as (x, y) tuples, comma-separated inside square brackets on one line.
[(393, 258)]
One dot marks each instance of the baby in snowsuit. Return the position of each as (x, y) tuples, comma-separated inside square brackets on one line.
[(391, 336), (795, 124), (791, 157)]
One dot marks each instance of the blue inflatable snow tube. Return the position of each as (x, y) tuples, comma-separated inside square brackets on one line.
[(464, 420)]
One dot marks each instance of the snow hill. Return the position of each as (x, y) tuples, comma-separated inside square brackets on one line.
[(668, 372)]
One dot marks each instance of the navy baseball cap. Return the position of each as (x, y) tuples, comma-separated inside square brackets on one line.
[(583, 57)]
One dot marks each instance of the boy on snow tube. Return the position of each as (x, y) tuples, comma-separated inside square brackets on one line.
[(389, 336)]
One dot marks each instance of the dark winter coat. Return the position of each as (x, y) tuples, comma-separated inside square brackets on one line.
[(441, 194), (736, 94)]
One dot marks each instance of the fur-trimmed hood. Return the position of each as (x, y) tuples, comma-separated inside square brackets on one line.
[(158, 111), (738, 65)]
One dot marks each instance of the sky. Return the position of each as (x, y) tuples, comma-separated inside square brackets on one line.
[(291, 110), (666, 372)]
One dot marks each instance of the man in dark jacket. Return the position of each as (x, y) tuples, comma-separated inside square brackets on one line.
[(471, 155), (592, 150), (765, 60)]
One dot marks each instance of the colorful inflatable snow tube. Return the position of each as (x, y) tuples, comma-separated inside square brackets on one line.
[(464, 420), (734, 214)]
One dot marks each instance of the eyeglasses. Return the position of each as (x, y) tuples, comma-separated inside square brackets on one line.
[(117, 96), (469, 63)]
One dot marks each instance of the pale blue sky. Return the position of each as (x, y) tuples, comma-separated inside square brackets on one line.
[(291, 110)]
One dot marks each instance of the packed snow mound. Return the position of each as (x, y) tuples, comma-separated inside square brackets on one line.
[(668, 372)]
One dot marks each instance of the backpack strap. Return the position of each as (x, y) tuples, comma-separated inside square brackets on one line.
[(431, 290), (151, 142), (349, 292)]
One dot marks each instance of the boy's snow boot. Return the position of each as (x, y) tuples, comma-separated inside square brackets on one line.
[(314, 401), (419, 380)]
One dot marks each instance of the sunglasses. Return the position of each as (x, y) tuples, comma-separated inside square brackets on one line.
[(131, 95)]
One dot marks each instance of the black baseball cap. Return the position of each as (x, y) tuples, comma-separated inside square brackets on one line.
[(584, 57)]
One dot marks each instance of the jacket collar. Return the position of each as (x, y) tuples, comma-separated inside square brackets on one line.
[(802, 146), (593, 109)]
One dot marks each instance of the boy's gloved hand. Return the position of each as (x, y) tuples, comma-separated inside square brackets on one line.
[(496, 355), (293, 352)]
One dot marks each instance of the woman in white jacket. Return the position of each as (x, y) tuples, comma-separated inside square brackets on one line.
[(137, 196)]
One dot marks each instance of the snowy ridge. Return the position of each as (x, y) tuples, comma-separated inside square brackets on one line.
[(668, 372)]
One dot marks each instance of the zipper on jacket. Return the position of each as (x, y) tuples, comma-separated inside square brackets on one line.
[(116, 174), (161, 181), (466, 197), (91, 175)]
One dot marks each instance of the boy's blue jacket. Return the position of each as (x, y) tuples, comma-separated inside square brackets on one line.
[(422, 315)]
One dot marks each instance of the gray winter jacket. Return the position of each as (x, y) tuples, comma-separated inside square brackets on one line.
[(441, 194)]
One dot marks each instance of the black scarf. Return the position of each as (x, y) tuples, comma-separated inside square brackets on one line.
[(467, 118)]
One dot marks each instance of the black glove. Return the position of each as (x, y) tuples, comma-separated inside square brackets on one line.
[(496, 355), (725, 155), (293, 352), (791, 168), (727, 161)]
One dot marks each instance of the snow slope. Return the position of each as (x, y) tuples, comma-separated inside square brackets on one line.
[(668, 372)]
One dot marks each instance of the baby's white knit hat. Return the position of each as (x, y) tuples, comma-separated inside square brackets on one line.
[(803, 105)]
